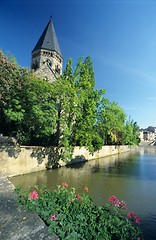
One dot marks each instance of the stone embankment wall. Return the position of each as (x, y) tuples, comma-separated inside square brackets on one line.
[(16, 160)]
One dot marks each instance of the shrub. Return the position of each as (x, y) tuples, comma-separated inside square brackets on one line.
[(74, 216)]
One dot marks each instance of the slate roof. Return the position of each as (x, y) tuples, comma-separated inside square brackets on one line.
[(48, 39)]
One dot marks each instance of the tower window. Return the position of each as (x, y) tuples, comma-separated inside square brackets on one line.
[(49, 62), (57, 69), (35, 65)]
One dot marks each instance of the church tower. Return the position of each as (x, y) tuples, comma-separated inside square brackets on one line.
[(46, 55)]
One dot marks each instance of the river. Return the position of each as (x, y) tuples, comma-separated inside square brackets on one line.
[(129, 176)]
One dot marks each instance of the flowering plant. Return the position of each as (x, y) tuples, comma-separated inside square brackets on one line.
[(73, 215), (33, 195)]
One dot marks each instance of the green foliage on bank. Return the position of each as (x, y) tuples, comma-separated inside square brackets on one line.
[(69, 112), (74, 216)]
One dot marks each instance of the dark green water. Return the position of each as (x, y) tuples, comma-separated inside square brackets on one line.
[(131, 177)]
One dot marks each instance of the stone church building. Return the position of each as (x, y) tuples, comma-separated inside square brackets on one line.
[(47, 59)]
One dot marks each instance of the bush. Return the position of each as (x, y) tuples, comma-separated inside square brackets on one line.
[(74, 216)]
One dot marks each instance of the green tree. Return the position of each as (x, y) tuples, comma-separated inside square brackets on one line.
[(131, 136), (40, 112), (77, 107), (11, 83), (111, 123), (84, 133), (27, 104)]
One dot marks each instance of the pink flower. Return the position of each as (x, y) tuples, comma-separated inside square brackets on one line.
[(137, 220), (33, 195), (53, 217), (64, 184), (86, 188), (78, 197), (114, 200), (132, 215), (117, 204), (123, 204)]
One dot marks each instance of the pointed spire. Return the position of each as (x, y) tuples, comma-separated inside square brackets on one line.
[(48, 39)]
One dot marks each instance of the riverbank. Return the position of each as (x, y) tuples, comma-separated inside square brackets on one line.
[(17, 160), (17, 223)]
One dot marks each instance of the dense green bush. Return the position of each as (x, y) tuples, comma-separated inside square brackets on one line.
[(73, 216)]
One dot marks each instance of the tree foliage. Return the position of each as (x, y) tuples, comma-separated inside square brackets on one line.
[(66, 113), (79, 106), (111, 124)]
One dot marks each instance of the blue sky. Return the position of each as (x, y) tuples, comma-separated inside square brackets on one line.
[(120, 37)]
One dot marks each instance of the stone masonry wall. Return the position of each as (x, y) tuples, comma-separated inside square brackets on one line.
[(16, 160)]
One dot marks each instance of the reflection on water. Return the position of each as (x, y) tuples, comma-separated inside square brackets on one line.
[(147, 150), (129, 176)]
